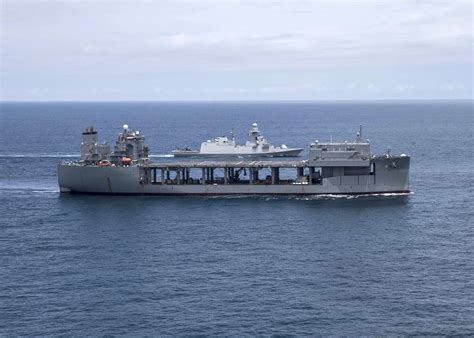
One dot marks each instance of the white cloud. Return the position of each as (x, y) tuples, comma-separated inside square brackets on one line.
[(404, 87), (244, 46), (37, 91), (452, 87)]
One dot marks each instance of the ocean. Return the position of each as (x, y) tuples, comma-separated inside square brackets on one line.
[(136, 265)]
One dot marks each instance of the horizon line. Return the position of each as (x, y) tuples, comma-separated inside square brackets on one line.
[(238, 100)]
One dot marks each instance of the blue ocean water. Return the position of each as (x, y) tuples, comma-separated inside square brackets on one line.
[(95, 265)]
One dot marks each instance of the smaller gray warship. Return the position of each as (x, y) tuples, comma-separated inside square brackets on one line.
[(256, 146), (346, 168)]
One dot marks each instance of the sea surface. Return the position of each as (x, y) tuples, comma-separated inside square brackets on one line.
[(112, 265)]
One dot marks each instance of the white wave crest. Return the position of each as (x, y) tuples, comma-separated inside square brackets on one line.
[(320, 197), (31, 155), (161, 156), (30, 190), (39, 156)]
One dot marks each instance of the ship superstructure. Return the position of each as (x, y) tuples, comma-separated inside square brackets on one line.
[(332, 168)]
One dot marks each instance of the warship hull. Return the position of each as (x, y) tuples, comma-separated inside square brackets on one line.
[(294, 152), (391, 176), (256, 146)]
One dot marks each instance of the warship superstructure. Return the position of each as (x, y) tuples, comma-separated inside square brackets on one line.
[(332, 168), (255, 146)]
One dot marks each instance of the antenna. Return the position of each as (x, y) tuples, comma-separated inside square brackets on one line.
[(359, 134)]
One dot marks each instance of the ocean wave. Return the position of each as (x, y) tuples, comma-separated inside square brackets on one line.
[(28, 191), (319, 197), (29, 186), (348, 197), (161, 156), (39, 156), (66, 156)]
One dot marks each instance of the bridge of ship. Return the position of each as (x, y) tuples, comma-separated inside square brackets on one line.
[(249, 172)]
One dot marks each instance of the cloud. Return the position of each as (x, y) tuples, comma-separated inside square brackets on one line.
[(248, 47), (37, 91), (452, 87), (404, 87)]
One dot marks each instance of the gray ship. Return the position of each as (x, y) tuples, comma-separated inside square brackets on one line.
[(255, 146), (346, 168)]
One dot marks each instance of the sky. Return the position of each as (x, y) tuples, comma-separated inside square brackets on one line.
[(106, 50)]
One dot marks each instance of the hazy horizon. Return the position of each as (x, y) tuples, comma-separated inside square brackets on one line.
[(244, 101)]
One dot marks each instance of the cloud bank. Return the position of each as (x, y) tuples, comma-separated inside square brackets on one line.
[(191, 50)]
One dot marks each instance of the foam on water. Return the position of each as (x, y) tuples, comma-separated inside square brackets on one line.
[(161, 156), (35, 187), (39, 156), (65, 156), (325, 197)]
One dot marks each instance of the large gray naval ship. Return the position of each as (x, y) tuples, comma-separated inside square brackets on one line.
[(255, 146), (332, 168)]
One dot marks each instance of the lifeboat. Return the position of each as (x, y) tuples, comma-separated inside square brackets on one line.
[(126, 160), (104, 163)]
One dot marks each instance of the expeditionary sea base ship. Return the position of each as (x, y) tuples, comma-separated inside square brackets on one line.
[(346, 168)]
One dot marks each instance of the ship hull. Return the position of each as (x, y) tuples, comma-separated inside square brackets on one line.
[(392, 177), (281, 153)]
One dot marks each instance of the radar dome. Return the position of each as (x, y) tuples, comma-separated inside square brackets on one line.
[(254, 125), (125, 126)]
